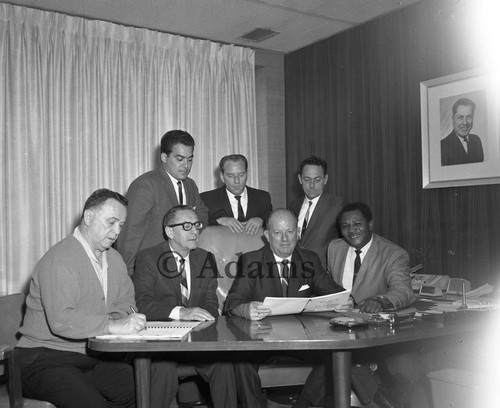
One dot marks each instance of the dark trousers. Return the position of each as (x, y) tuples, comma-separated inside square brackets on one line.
[(219, 375), (75, 380), (249, 385)]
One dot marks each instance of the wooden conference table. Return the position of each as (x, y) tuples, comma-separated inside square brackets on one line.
[(291, 333)]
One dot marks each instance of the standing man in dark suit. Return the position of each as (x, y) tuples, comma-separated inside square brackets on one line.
[(316, 211), (152, 194), (460, 146), (177, 280), (280, 269), (235, 205)]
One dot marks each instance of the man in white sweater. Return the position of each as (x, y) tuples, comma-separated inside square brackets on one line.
[(80, 289)]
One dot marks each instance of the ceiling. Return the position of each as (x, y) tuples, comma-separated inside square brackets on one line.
[(298, 22)]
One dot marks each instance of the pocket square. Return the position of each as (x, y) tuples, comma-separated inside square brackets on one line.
[(304, 287)]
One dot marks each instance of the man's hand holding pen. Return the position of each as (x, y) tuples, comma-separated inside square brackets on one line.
[(133, 323)]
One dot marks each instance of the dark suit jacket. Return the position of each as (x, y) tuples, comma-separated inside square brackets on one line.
[(259, 204), (322, 226), (157, 294), (150, 196), (453, 152), (258, 277), (385, 270)]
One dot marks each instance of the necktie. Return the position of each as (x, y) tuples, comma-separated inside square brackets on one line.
[(466, 144), (306, 219), (357, 264), (184, 284), (241, 216), (284, 277), (179, 187)]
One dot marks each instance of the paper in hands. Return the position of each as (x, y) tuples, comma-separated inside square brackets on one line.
[(295, 305)]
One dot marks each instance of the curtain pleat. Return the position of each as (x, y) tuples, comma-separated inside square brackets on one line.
[(83, 105)]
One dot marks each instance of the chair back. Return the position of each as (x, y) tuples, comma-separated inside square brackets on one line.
[(227, 246), (12, 311)]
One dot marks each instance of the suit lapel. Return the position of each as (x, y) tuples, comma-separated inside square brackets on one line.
[(169, 187), (226, 203), (267, 259)]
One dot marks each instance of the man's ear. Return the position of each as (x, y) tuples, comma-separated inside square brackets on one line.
[(163, 157), (371, 225), (87, 216), (266, 234), (169, 232), (300, 178), (221, 175), (326, 179)]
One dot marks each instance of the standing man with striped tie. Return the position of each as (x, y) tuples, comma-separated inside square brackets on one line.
[(152, 194), (316, 211), (177, 280)]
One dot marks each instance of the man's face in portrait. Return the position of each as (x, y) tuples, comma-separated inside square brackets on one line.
[(234, 176), (356, 230), (178, 163), (463, 120), (313, 180)]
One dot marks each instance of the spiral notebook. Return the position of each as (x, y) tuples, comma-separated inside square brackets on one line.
[(173, 330)]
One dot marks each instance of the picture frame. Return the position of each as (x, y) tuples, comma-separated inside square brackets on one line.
[(445, 160)]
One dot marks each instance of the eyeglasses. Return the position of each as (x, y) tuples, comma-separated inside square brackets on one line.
[(187, 226)]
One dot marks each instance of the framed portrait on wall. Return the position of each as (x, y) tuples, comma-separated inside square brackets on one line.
[(460, 130)]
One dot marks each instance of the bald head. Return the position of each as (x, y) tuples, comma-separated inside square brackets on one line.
[(281, 232)]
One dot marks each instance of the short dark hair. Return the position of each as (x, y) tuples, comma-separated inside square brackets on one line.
[(173, 137), (463, 102), (233, 157), (172, 213), (313, 161), (359, 206), (99, 197)]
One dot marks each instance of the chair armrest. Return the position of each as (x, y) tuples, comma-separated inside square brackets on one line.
[(14, 376)]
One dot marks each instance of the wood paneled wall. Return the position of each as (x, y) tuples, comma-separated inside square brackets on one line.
[(354, 99)]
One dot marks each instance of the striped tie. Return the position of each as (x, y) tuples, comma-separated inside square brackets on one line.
[(284, 277), (306, 220), (184, 284)]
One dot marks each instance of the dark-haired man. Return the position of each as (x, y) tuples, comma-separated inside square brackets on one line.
[(152, 194), (316, 211), (376, 270), (461, 146), (235, 205), (177, 280), (80, 289)]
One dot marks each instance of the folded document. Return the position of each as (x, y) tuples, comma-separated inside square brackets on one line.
[(295, 305)]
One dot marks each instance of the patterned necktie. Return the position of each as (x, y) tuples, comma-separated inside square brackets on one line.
[(357, 264), (179, 187), (241, 216), (466, 144), (306, 220), (184, 284), (284, 277)]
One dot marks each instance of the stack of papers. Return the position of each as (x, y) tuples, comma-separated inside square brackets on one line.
[(174, 330)]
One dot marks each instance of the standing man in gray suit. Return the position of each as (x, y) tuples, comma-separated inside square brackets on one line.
[(316, 211), (152, 194)]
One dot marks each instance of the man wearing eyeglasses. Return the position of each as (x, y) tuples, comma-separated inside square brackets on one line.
[(177, 280)]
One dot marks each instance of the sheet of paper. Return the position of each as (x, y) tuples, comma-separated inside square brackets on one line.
[(327, 303), (285, 306)]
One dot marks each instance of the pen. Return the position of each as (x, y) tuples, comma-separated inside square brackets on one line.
[(134, 309)]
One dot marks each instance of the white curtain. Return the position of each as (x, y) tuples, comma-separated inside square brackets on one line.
[(83, 105)]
